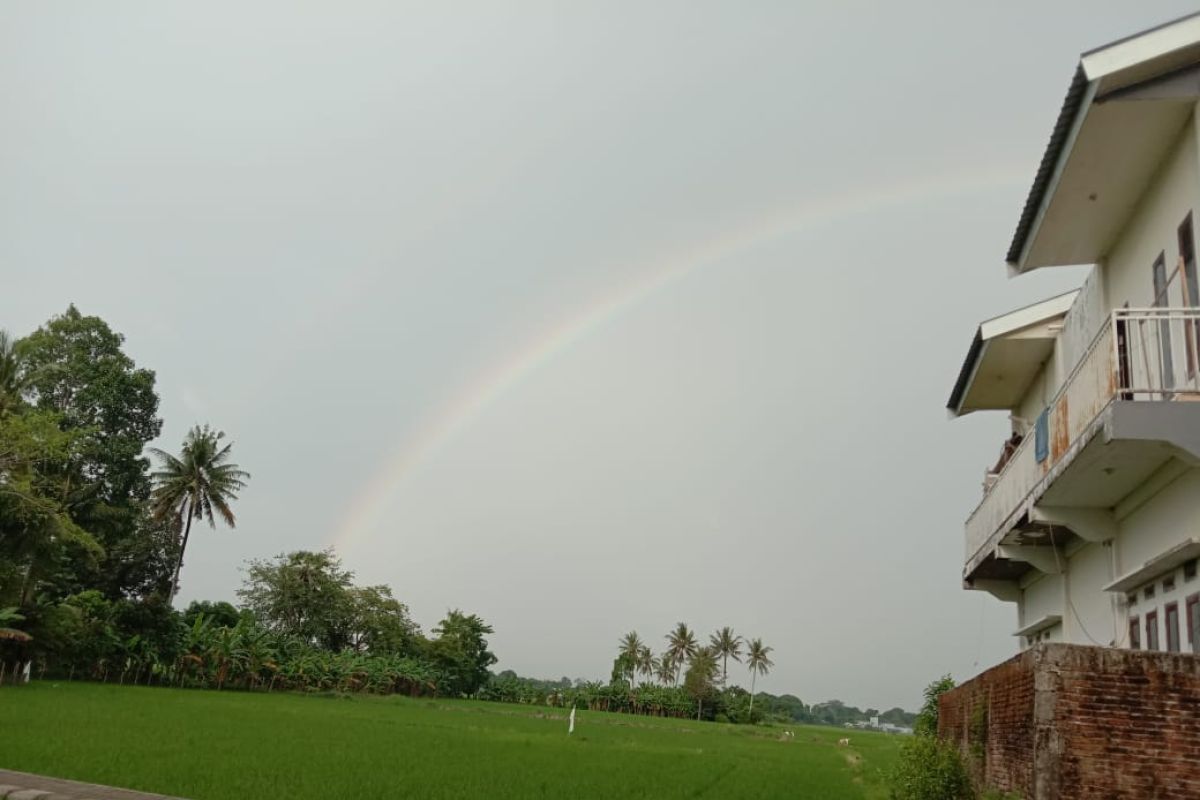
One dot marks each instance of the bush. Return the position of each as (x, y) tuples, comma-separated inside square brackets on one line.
[(930, 769)]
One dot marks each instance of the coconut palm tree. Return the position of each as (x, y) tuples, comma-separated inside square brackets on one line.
[(758, 659), (665, 672), (630, 650), (646, 662), (701, 673), (725, 644), (681, 645), (194, 484)]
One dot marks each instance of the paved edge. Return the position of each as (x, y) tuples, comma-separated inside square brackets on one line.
[(27, 786)]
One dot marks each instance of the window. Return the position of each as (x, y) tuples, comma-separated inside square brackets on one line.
[(1193, 622), (1148, 591), (1191, 287), (1135, 634), (1189, 570), (1166, 361), (1169, 583), (1152, 630), (1171, 620), (1131, 598)]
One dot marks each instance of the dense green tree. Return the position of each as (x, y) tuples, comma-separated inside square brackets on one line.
[(379, 623), (460, 653), (219, 613), (726, 645), (758, 659), (194, 485), (302, 594), (37, 534), (74, 366)]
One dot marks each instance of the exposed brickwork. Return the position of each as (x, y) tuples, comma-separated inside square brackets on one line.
[(1064, 721)]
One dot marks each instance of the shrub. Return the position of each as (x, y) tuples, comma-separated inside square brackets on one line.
[(930, 769)]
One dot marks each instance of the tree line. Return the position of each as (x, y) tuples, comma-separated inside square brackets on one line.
[(93, 538)]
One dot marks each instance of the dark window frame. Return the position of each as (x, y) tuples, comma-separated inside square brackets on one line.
[(1186, 237), (1166, 356), (1135, 633), (1191, 617), (1152, 630), (1171, 623)]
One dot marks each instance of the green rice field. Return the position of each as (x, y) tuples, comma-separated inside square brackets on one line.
[(210, 745)]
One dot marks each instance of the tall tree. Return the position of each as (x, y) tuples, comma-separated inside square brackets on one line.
[(302, 594), (701, 673), (758, 659), (630, 648), (681, 645), (379, 623), (74, 367), (726, 645), (665, 671), (195, 484), (646, 662), (36, 531), (460, 651)]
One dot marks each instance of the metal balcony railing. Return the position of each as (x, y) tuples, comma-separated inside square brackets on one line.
[(1138, 354)]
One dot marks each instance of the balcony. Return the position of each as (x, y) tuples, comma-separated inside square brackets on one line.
[(1119, 416)]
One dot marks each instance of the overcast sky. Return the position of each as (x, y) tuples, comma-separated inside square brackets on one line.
[(583, 317)]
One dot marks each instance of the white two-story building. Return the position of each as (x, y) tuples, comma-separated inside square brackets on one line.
[(1090, 516)]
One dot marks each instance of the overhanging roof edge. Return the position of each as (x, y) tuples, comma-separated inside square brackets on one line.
[(1071, 107)]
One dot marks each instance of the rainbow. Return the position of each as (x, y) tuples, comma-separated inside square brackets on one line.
[(486, 388)]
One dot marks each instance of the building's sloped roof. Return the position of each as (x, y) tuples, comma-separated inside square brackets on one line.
[(1132, 59)]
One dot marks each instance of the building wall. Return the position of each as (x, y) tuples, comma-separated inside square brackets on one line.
[(1164, 521), (1042, 596), (1083, 321), (1172, 515), (1092, 615), (1151, 229), (1161, 522), (1081, 723)]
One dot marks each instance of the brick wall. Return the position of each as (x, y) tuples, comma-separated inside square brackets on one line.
[(1065, 721)]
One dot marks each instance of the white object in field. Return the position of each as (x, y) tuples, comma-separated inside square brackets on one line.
[(25, 675), (571, 725)]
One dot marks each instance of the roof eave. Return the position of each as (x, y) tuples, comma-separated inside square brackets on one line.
[(965, 374), (1050, 167)]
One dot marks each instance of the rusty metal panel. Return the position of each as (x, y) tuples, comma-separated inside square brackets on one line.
[(1060, 430)]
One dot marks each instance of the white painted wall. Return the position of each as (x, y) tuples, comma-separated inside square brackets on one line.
[(1151, 229), (1042, 596), (1092, 615), (1161, 523)]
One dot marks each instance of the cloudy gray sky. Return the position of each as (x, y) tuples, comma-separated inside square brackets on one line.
[(584, 317)]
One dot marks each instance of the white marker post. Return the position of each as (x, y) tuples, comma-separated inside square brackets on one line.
[(571, 724)]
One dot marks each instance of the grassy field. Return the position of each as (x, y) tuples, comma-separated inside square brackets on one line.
[(229, 746)]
